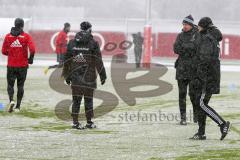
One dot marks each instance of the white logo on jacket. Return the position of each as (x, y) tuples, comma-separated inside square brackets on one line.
[(79, 58), (16, 43)]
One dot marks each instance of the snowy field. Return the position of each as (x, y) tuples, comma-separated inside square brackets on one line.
[(37, 134)]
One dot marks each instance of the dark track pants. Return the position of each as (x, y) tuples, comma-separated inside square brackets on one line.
[(78, 93), (182, 89), (201, 100), (20, 75), (138, 56)]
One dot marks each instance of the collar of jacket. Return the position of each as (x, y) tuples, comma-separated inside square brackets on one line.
[(189, 32)]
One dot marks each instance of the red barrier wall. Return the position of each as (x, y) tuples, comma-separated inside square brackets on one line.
[(43, 39), (230, 45), (161, 46)]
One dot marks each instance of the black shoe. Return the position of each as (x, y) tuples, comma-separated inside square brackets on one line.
[(183, 122), (78, 126), (224, 130), (91, 125), (198, 136)]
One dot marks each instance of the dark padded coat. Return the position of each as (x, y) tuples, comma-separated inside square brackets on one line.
[(206, 66), (185, 46), (82, 60)]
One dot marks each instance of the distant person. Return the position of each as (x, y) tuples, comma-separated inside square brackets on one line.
[(138, 47), (61, 46), (185, 47), (16, 45)]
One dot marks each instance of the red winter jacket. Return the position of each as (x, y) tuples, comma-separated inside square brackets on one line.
[(61, 43), (15, 46)]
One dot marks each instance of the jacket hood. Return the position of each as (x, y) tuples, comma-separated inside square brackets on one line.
[(83, 37), (215, 32), (16, 31)]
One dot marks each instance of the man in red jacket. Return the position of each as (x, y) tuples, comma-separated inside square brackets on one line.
[(61, 43), (15, 46), (61, 46)]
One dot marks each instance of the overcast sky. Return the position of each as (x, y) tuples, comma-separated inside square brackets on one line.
[(221, 10)]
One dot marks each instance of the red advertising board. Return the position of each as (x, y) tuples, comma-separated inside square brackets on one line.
[(162, 43), (45, 41)]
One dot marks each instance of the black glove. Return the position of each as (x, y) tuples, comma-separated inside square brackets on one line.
[(68, 81), (30, 59), (103, 81)]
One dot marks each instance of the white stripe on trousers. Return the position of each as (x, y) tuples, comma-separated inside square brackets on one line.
[(206, 109)]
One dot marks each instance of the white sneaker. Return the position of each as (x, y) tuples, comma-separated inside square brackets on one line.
[(91, 125), (17, 110), (11, 106), (78, 126)]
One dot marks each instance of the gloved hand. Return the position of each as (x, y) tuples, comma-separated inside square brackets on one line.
[(103, 81), (68, 81), (30, 59)]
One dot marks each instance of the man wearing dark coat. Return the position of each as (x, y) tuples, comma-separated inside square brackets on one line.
[(206, 77), (185, 47)]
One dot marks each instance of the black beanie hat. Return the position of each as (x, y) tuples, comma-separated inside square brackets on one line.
[(85, 26), (19, 23), (189, 20), (205, 22), (66, 25)]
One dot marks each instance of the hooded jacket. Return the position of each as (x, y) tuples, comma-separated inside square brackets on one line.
[(206, 61), (16, 45), (82, 60)]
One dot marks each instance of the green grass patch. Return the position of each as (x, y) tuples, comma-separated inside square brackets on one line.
[(233, 142), (31, 110), (36, 113), (4, 113), (61, 127), (232, 116), (226, 154), (153, 158), (146, 105), (235, 130)]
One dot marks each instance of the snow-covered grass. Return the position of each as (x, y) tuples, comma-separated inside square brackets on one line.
[(36, 133)]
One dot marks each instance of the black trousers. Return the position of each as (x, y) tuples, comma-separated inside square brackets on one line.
[(20, 75), (182, 90), (138, 56), (78, 92), (60, 58), (201, 100)]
